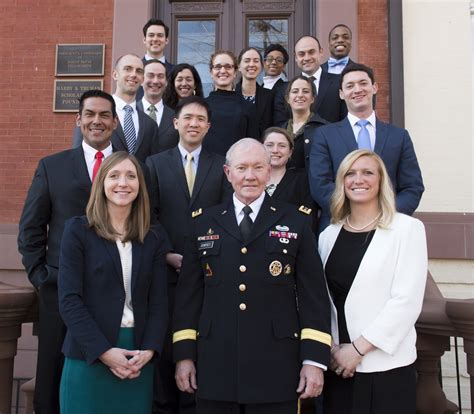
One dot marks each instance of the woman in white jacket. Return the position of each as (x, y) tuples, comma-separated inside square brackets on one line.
[(376, 264)]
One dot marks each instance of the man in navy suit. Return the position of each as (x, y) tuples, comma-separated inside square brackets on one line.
[(60, 190), (129, 74), (155, 39), (152, 104), (340, 44), (175, 199), (361, 129), (308, 56)]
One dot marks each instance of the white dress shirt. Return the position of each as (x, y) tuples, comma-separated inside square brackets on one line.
[(159, 109), (269, 81), (119, 105), (125, 251), (162, 59), (317, 77), (370, 127), (196, 153), (89, 155)]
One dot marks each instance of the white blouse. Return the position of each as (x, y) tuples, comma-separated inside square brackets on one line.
[(125, 251)]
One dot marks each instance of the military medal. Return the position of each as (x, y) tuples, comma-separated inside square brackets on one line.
[(287, 269), (207, 270), (275, 268)]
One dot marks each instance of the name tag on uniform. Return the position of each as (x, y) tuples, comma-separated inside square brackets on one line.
[(209, 237), (206, 245)]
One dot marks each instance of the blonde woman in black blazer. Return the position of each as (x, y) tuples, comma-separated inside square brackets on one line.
[(112, 296), (375, 264)]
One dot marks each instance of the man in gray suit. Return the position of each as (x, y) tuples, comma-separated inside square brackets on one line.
[(184, 179), (152, 104), (142, 132)]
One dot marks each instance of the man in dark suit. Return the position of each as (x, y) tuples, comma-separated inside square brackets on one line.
[(252, 284), (361, 129), (155, 39), (143, 141), (340, 44), (60, 190), (275, 59), (308, 55), (179, 186), (152, 104)]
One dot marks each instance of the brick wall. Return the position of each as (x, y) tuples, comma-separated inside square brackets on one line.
[(373, 48), (29, 129)]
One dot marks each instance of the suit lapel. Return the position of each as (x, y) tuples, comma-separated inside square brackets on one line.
[(176, 167), (115, 256), (204, 166), (80, 168), (136, 260), (324, 83), (166, 120), (141, 129), (118, 139), (381, 132), (347, 135)]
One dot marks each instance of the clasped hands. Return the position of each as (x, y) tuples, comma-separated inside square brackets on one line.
[(126, 364), (344, 360), (310, 385)]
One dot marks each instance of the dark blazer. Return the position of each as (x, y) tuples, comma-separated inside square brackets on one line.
[(263, 106), (60, 190), (328, 104), (168, 136), (242, 298), (333, 142), (172, 201), (92, 296), (147, 140), (325, 64), (302, 142), (281, 111), (294, 189), (169, 68)]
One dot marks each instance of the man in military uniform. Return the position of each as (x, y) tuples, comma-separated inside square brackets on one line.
[(251, 307)]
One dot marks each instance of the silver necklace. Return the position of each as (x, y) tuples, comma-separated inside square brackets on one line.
[(364, 227)]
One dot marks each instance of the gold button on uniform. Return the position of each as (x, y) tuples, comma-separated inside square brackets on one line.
[(242, 306), (242, 268), (243, 250), (242, 287)]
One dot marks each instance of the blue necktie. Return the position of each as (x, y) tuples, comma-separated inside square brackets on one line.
[(338, 62), (363, 139), (129, 129)]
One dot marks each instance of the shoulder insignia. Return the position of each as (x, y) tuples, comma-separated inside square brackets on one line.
[(305, 210), (196, 213)]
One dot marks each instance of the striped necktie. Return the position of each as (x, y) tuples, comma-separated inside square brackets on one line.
[(129, 129), (152, 112)]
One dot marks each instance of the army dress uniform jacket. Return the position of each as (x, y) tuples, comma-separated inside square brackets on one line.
[(250, 312)]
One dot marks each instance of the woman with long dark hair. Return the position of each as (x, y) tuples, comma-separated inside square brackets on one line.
[(183, 81)]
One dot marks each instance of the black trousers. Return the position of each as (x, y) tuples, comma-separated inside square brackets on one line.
[(167, 398), (387, 392), (225, 407), (49, 366)]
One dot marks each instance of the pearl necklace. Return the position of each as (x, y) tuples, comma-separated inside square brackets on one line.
[(364, 227)]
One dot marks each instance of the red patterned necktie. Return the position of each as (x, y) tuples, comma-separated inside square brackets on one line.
[(99, 156)]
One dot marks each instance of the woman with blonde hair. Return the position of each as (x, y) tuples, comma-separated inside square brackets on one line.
[(112, 295), (375, 263)]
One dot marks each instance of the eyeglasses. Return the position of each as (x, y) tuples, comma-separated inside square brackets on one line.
[(271, 59), (227, 67)]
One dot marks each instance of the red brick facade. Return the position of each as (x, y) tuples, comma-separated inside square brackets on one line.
[(373, 48), (29, 33), (29, 129)]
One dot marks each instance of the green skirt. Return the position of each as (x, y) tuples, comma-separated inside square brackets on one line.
[(94, 389)]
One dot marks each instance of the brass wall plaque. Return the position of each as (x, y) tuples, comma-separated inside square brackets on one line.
[(67, 93), (80, 59)]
